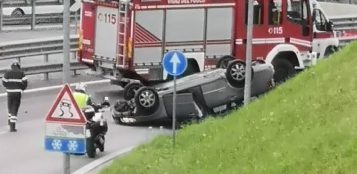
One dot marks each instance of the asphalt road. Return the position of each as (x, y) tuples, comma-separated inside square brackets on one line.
[(24, 152), (14, 34)]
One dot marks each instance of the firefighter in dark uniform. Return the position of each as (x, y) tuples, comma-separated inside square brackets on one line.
[(15, 82)]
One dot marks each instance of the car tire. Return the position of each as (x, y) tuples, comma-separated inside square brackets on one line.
[(130, 89), (146, 100), (236, 72), (91, 150), (224, 61), (283, 70)]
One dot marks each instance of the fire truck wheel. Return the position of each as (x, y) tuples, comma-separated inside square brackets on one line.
[(130, 89), (146, 100), (284, 69), (192, 68), (17, 13), (223, 61), (330, 50), (235, 73)]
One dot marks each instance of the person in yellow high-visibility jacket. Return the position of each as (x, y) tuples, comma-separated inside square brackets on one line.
[(81, 97)]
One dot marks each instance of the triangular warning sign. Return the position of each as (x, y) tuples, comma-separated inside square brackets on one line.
[(65, 109)]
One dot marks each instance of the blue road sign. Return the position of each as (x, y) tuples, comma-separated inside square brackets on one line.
[(77, 146), (175, 63)]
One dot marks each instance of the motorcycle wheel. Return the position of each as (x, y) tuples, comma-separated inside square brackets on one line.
[(101, 144), (91, 150)]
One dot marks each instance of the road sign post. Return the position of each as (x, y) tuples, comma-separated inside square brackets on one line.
[(175, 64), (65, 129), (1, 16), (66, 42), (33, 14), (66, 64), (248, 66)]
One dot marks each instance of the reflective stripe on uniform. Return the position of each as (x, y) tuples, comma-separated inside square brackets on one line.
[(14, 90), (12, 80), (13, 119)]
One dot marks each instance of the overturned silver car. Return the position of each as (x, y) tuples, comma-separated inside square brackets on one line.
[(198, 95)]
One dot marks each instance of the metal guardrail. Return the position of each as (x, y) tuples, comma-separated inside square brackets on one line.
[(340, 1), (344, 22), (25, 18), (35, 47), (39, 19), (28, 2), (48, 68), (346, 28)]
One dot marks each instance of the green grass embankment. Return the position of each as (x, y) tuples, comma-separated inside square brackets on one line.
[(307, 125)]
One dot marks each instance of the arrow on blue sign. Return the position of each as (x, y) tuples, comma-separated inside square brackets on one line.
[(175, 63)]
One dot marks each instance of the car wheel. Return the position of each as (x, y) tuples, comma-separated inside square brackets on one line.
[(235, 73), (130, 89), (284, 69), (224, 61), (146, 100), (91, 150)]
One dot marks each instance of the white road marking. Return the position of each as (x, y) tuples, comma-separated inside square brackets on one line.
[(58, 86), (3, 132)]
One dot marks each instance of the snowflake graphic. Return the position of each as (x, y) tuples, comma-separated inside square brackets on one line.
[(72, 145), (56, 144)]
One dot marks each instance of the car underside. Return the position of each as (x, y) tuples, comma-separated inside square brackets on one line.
[(198, 95)]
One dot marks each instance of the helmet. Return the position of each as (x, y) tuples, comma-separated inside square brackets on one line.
[(15, 64), (81, 87)]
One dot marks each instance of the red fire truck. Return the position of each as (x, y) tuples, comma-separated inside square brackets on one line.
[(127, 39)]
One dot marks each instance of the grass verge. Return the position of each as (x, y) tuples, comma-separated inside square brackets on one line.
[(306, 125)]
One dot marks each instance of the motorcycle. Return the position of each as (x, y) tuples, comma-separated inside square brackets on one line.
[(96, 127)]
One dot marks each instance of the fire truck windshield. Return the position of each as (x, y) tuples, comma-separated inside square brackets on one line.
[(297, 11)]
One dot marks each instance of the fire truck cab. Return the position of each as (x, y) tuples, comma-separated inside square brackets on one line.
[(127, 39)]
